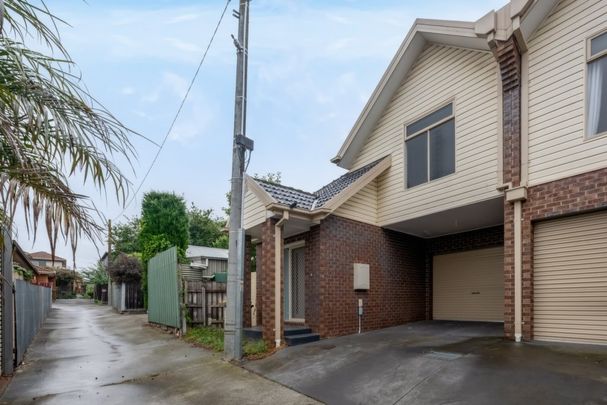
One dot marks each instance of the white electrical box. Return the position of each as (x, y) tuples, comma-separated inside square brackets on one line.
[(361, 276)]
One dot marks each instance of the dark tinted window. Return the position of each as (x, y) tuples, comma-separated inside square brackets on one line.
[(417, 160), (442, 150), (598, 44), (430, 119)]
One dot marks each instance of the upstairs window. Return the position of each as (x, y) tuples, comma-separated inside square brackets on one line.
[(430, 147), (596, 87)]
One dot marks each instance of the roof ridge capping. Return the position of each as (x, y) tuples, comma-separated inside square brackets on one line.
[(518, 17)]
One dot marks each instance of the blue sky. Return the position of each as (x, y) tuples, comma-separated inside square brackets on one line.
[(313, 65)]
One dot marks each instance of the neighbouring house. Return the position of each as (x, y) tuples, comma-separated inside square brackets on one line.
[(204, 262), (476, 189), (45, 259), (42, 276)]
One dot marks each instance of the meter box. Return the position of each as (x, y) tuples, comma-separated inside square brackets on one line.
[(361, 276)]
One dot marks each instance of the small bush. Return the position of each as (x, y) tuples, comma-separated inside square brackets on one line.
[(254, 347), (212, 338)]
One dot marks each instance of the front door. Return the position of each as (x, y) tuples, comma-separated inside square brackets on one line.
[(297, 290)]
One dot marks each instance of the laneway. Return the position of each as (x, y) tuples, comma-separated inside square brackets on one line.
[(87, 354)]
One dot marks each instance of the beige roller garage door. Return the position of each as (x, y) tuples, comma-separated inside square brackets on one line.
[(469, 286), (570, 279)]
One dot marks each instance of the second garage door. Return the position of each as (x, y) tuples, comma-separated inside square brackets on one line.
[(469, 286), (570, 279)]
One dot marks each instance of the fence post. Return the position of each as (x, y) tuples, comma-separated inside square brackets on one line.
[(123, 297), (8, 332)]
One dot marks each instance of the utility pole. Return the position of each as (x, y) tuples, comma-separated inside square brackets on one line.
[(233, 317)]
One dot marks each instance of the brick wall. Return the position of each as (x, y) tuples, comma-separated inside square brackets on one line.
[(397, 291), (267, 279), (259, 285), (574, 195), (246, 301)]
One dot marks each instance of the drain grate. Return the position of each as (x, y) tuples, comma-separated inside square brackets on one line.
[(444, 355)]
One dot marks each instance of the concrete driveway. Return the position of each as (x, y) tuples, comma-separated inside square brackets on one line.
[(439, 363), (87, 354)]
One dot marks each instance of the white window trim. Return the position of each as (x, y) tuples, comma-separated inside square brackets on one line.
[(589, 59), (427, 129)]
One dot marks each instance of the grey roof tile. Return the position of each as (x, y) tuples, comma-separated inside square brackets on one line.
[(309, 201)]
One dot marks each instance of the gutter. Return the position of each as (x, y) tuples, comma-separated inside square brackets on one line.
[(277, 276)]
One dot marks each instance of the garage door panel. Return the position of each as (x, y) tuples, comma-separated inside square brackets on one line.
[(570, 279), (469, 286)]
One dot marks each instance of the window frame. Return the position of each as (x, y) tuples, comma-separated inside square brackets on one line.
[(427, 130), (589, 58)]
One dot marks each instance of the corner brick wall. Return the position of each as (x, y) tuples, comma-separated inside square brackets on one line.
[(573, 195), (246, 301), (397, 291), (267, 279)]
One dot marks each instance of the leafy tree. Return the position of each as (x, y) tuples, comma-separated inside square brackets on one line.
[(125, 237), (204, 229), (51, 129), (164, 223), (221, 242), (164, 214), (95, 274), (270, 177), (125, 268)]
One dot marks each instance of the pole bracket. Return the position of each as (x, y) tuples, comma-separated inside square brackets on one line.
[(242, 140)]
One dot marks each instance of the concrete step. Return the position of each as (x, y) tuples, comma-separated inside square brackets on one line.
[(294, 340), (297, 330), (254, 333)]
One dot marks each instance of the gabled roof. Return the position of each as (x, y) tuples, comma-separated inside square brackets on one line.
[(309, 201), (327, 198), (45, 256), (204, 251), (519, 17)]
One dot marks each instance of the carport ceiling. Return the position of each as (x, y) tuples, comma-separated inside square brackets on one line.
[(479, 215)]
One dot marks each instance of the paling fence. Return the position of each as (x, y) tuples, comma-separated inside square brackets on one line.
[(32, 305), (127, 296), (205, 303)]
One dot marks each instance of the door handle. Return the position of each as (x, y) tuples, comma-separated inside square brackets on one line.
[(475, 292)]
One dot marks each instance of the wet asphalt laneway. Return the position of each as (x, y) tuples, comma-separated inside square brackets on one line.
[(88, 354)]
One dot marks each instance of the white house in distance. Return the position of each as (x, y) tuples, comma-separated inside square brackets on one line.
[(204, 262)]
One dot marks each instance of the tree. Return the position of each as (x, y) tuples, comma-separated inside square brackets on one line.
[(204, 229), (51, 128), (125, 237), (125, 268), (95, 274), (164, 214), (270, 177), (164, 223)]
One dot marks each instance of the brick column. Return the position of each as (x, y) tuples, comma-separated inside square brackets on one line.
[(267, 276), (246, 301), (508, 57)]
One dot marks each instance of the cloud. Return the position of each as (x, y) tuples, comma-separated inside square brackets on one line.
[(127, 91)]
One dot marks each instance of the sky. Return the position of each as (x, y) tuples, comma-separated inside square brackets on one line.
[(312, 66)]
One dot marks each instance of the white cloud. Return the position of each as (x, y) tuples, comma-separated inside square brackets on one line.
[(127, 91)]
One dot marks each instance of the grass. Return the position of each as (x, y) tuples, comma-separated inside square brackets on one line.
[(212, 339)]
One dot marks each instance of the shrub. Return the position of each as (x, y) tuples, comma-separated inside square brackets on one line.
[(124, 269)]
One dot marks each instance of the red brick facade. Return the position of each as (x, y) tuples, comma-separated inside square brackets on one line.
[(400, 274)]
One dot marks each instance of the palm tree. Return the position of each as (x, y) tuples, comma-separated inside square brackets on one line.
[(51, 128)]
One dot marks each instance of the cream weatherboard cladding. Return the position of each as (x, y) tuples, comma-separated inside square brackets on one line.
[(570, 279), (557, 65), (441, 74), (469, 286), (254, 210), (362, 206)]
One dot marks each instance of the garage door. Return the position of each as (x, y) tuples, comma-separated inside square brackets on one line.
[(570, 279), (469, 286)]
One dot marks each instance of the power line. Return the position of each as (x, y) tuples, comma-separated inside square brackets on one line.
[(184, 99)]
